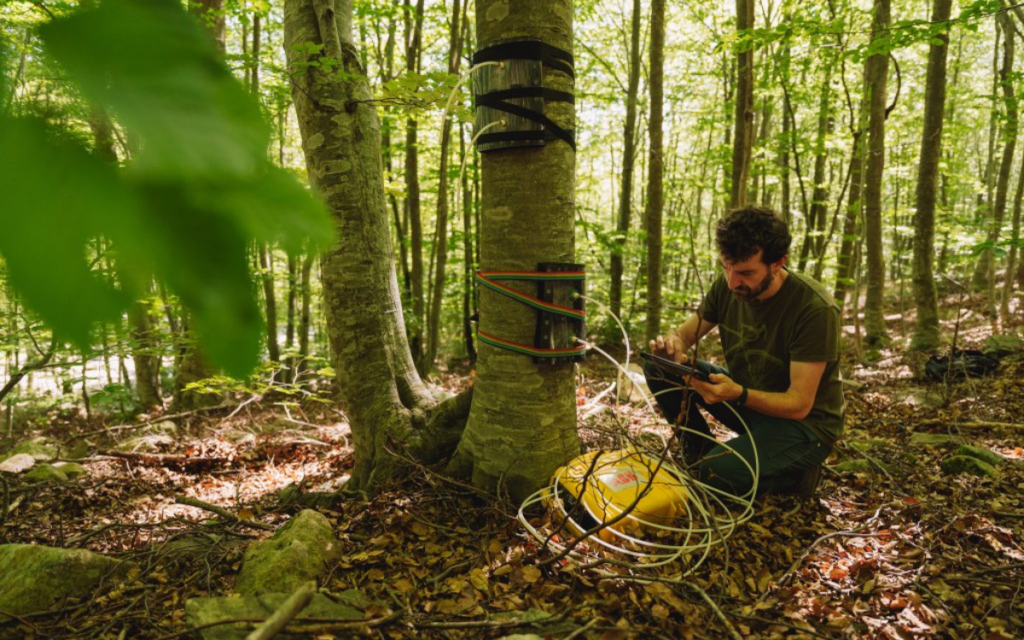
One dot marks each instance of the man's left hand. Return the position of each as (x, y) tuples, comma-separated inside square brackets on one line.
[(720, 388)]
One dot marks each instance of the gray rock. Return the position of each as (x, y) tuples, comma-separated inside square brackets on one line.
[(40, 448), (151, 443), (45, 473), (299, 551), (958, 465), (202, 611), (923, 397), (18, 463), (36, 578)]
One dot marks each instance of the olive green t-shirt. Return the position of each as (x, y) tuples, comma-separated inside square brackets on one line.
[(800, 323)]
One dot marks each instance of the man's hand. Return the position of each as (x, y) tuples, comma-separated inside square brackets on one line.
[(720, 388), (671, 347)]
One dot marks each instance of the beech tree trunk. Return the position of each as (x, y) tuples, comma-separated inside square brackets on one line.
[(1010, 121), (386, 402), (877, 67), (414, 45), (523, 420), (269, 302), (655, 170), (814, 239), (744, 133), (628, 164), (926, 329), (441, 244)]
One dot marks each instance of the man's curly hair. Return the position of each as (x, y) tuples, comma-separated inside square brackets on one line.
[(743, 231)]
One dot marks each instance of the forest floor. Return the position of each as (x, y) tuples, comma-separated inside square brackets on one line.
[(896, 549)]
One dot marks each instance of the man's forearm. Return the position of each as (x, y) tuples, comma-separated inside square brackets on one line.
[(778, 405)]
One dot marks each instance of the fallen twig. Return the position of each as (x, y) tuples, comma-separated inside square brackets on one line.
[(714, 607), (972, 424), (290, 608), (222, 512), (173, 461), (140, 425), (489, 624)]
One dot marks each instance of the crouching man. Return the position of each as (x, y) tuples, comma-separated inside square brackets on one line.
[(780, 336)]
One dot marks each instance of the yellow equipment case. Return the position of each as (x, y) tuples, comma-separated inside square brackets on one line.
[(598, 486)]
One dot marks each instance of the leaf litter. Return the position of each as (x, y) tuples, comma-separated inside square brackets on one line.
[(899, 550)]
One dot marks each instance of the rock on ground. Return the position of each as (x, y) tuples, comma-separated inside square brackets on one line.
[(36, 578), (298, 552), (203, 611)]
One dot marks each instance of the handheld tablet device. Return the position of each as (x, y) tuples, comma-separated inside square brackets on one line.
[(677, 368)]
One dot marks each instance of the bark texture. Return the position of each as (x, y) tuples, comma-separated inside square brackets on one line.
[(877, 82), (523, 421), (655, 170), (926, 329), (628, 162), (387, 404), (743, 140)]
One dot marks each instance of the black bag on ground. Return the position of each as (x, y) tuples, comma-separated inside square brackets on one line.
[(965, 363)]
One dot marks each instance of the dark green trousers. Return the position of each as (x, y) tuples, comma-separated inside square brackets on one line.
[(785, 448)]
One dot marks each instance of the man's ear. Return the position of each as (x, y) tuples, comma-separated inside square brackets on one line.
[(781, 262)]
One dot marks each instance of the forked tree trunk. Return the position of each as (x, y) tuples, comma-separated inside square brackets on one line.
[(877, 81), (386, 402), (523, 421), (926, 330)]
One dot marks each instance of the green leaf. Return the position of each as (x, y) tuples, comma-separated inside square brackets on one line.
[(273, 208), (161, 76), (55, 199)]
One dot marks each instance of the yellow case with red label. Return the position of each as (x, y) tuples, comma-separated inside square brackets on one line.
[(611, 484)]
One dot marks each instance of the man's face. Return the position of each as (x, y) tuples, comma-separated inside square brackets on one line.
[(750, 278)]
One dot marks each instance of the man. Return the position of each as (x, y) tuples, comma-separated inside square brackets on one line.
[(780, 336)]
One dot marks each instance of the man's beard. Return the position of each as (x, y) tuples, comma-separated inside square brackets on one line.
[(746, 294)]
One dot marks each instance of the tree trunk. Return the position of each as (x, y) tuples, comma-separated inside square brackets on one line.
[(469, 258), (414, 40), (628, 163), (210, 14), (306, 293), (441, 245), (926, 330), (386, 402), (1011, 264), (655, 170), (192, 365), (270, 302), (523, 421), (984, 214), (854, 205), (814, 233), (744, 134), (877, 71), (1010, 121)]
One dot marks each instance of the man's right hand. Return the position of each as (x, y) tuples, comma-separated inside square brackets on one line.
[(671, 347)]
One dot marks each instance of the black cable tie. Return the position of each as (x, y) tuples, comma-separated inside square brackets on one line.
[(529, 114), (528, 50), (532, 92)]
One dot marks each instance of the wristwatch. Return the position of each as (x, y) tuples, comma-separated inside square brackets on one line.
[(742, 400)]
